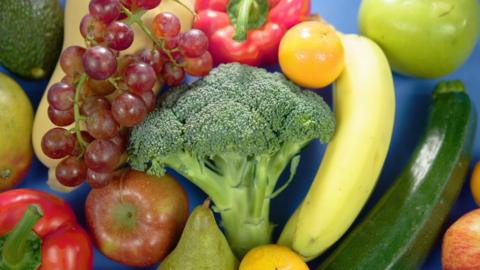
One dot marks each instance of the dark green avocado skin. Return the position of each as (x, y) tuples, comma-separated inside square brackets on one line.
[(31, 36)]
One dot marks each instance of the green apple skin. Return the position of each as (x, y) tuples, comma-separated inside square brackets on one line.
[(422, 38)]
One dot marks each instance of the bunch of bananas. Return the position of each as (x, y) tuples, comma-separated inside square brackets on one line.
[(364, 104)]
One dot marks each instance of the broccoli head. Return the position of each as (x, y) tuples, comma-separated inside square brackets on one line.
[(232, 134)]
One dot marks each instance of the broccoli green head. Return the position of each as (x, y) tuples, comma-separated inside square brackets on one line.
[(232, 133)]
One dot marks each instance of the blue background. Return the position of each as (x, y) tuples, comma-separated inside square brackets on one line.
[(413, 99)]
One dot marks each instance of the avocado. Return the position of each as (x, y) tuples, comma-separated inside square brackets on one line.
[(31, 36)]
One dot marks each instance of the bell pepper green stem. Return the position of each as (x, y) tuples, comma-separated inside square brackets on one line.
[(241, 26), (15, 245)]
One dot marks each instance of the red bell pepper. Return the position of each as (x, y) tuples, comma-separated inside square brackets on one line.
[(40, 231), (248, 31)]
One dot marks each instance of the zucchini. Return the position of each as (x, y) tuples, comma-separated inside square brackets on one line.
[(403, 226)]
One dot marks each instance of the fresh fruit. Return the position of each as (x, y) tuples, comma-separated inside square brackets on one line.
[(94, 32), (427, 39), (39, 228), (475, 183), (311, 54), (272, 257), (119, 36), (202, 245), (16, 117), (337, 194), (166, 25), (137, 219), (460, 243), (99, 63), (31, 36), (403, 226), (246, 31), (58, 143)]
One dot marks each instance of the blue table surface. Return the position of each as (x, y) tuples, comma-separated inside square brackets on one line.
[(413, 99)]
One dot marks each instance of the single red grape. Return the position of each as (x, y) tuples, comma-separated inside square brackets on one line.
[(99, 63), (128, 109), (165, 25), (151, 57), (60, 118), (147, 4), (149, 99), (193, 43), (102, 156), (173, 75), (105, 10), (61, 96), (119, 36), (102, 125), (93, 104), (71, 60), (57, 143), (71, 172), (98, 179), (199, 66), (91, 28), (140, 77)]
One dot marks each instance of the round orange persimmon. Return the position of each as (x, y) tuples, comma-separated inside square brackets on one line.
[(311, 54), (272, 257), (475, 183)]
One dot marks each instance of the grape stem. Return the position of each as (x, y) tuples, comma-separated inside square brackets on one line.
[(113, 82), (76, 110), (133, 18)]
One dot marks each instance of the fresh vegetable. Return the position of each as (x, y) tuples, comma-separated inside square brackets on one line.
[(460, 243), (202, 245), (137, 219), (39, 229), (346, 177), (95, 30), (232, 134), (475, 183), (248, 31), (31, 36), (16, 117), (311, 54), (272, 257), (402, 227), (427, 39)]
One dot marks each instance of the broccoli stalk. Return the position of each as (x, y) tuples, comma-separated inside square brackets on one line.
[(232, 134)]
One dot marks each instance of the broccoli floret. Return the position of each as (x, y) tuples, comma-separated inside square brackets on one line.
[(232, 133)]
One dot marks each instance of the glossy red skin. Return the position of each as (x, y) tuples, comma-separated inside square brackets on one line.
[(57, 227), (261, 46), (461, 243), (160, 212)]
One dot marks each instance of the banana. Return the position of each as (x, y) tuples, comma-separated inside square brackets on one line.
[(74, 12), (364, 104)]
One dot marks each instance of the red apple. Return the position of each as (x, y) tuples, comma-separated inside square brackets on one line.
[(461, 243), (137, 219)]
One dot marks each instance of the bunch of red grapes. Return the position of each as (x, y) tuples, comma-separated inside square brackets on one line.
[(104, 93)]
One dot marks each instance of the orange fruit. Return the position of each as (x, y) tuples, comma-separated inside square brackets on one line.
[(272, 257), (311, 54), (475, 183)]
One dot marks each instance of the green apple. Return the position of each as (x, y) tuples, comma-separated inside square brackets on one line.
[(422, 38)]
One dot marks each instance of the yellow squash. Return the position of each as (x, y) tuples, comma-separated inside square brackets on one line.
[(74, 11)]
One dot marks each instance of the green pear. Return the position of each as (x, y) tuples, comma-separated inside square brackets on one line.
[(202, 245)]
